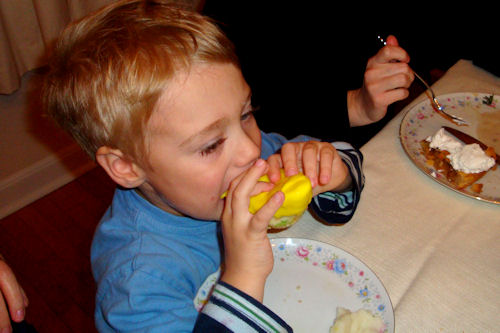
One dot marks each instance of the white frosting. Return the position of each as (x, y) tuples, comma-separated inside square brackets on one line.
[(466, 158), (361, 321)]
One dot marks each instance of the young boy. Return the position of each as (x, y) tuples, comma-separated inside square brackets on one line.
[(155, 94)]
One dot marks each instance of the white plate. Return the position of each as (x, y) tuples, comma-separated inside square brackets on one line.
[(421, 121), (311, 279)]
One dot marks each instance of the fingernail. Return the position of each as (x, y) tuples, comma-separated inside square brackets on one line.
[(20, 314), (278, 196), (291, 172), (259, 162), (313, 181)]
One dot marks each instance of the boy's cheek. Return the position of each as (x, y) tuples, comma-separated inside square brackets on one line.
[(219, 209)]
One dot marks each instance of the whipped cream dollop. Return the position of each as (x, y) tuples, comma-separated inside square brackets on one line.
[(442, 141), (466, 158)]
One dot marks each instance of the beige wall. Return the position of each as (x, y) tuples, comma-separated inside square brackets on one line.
[(29, 27)]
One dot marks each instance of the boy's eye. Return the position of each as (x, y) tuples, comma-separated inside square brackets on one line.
[(212, 147), (249, 114)]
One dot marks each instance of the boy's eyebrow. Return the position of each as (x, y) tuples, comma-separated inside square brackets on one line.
[(219, 123)]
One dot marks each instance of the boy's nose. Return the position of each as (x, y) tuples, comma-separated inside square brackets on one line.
[(247, 151)]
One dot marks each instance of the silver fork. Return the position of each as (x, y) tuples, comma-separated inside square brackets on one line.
[(457, 120)]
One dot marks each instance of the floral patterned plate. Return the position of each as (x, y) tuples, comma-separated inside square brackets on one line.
[(480, 110), (310, 279)]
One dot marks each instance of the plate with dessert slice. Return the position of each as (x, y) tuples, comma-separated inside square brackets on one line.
[(464, 168), (314, 286)]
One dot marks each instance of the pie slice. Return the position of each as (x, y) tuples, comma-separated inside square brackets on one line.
[(439, 160)]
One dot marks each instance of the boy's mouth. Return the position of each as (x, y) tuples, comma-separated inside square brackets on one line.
[(224, 195)]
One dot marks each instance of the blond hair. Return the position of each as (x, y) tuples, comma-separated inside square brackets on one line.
[(109, 69)]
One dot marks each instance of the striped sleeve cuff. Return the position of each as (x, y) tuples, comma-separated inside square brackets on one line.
[(339, 207), (235, 311)]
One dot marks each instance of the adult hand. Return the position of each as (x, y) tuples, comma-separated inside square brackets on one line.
[(13, 300), (386, 80)]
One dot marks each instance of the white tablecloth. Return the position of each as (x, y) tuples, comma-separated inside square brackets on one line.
[(436, 251)]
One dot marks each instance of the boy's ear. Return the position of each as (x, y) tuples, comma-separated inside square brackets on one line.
[(121, 170)]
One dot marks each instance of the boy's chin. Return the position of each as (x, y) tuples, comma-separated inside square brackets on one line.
[(212, 215), (208, 214)]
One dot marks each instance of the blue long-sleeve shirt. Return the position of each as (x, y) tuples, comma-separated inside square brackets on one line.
[(155, 271)]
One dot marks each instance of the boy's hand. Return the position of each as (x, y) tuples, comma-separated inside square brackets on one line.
[(319, 161), (247, 250), (12, 297)]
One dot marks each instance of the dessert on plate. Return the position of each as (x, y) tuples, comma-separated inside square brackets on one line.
[(298, 195), (360, 321), (462, 165)]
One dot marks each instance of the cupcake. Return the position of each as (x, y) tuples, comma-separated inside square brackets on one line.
[(298, 195)]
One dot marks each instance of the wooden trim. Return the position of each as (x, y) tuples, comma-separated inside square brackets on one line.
[(41, 178)]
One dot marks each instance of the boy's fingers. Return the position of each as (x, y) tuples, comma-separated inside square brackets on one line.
[(262, 187), (310, 162), (327, 155), (275, 165), (262, 217), (290, 159), (246, 185)]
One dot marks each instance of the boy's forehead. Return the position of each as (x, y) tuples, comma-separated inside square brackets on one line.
[(200, 100)]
